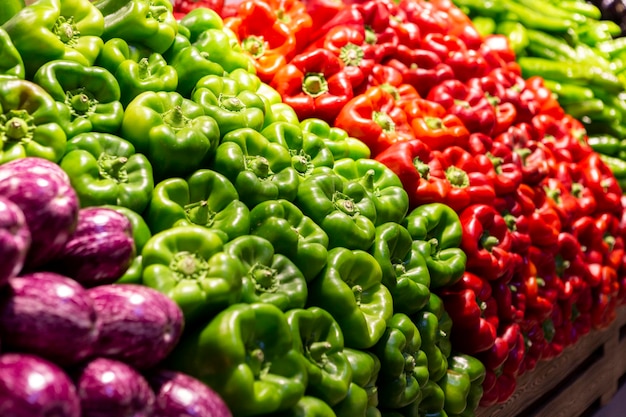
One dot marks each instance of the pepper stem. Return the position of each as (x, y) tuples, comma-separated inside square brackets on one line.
[(175, 118), (254, 45), (457, 177), (409, 363), (368, 180), (422, 168), (357, 291), (301, 161), (434, 123), (16, 128), (200, 213), (144, 68), (113, 167), (370, 36), (187, 265), (65, 29), (351, 55), (80, 102), (383, 120), (231, 103), (259, 165), (264, 278), (315, 84), (318, 350), (344, 203), (488, 242), (256, 359)]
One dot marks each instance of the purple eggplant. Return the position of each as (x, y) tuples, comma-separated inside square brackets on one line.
[(31, 386), (14, 240), (109, 388), (39, 166), (178, 394), (48, 315), (50, 207), (137, 325), (100, 250)]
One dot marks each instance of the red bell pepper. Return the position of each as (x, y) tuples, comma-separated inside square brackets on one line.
[(182, 7), (499, 161), (419, 168), (469, 103), (315, 84), (268, 40), (383, 75), (563, 136), (323, 11), (548, 104), (294, 14), (497, 52), (421, 68), (426, 16), (470, 180), (434, 126), (486, 241), (462, 26), (376, 119), (598, 177), (474, 313)]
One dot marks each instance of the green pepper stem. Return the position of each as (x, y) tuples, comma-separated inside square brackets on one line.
[(175, 118), (357, 291), (318, 350), (259, 165), (457, 177), (17, 125), (391, 90), (368, 180), (434, 123), (314, 84), (370, 36), (187, 265), (16, 128), (144, 68), (264, 278), (200, 213), (66, 30), (344, 203), (409, 363), (256, 359), (231, 103), (351, 55), (113, 167), (301, 162)]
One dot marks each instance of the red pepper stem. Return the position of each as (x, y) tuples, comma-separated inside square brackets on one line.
[(315, 84), (422, 168), (351, 55), (457, 177), (383, 120), (488, 242)]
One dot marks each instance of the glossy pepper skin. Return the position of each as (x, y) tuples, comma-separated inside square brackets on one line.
[(70, 30), (341, 144), (232, 106), (12, 62), (382, 185), (88, 97), (404, 367), (292, 234), (206, 198), (269, 276), (404, 268), (314, 84), (259, 169), (308, 406), (362, 398), (149, 23), (263, 35), (137, 69), (320, 340), (189, 265), (349, 288), (375, 118), (170, 129), (104, 169), (344, 210), (461, 399), (438, 231), (30, 123), (254, 357)]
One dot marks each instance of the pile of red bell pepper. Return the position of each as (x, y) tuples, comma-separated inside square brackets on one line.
[(449, 112)]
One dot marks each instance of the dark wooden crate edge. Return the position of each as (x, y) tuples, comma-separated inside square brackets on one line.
[(582, 375)]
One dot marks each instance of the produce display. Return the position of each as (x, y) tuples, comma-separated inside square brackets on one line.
[(285, 208)]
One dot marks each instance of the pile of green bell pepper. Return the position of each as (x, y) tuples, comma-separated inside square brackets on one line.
[(304, 280)]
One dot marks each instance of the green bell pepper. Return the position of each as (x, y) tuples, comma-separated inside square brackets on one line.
[(260, 170), (338, 141), (319, 338), (308, 407), (104, 169), (205, 199), (349, 288), (69, 29), (198, 20), (189, 265), (10, 8), (269, 277), (253, 364), (362, 398), (29, 122), (382, 185), (404, 268), (172, 131), (475, 370), (432, 402), (292, 234), (141, 235), (11, 63), (282, 112), (404, 367), (223, 46), (137, 69), (434, 325), (230, 105), (308, 151), (456, 388), (191, 65), (87, 97), (343, 209), (146, 22), (438, 229)]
